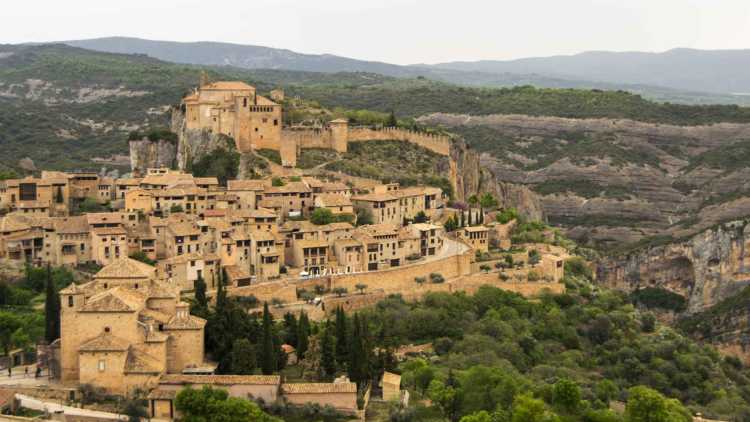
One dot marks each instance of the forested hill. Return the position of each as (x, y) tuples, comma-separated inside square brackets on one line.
[(63, 106)]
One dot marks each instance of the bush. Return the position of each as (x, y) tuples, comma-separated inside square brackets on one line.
[(222, 163), (322, 216), (533, 276), (654, 297), (436, 278)]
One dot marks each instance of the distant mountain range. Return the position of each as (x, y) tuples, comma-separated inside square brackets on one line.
[(682, 75), (716, 71)]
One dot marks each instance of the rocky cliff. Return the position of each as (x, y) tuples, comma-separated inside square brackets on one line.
[(145, 153), (705, 269), (614, 181), (469, 177), (194, 144)]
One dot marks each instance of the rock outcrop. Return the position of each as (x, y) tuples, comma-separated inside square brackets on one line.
[(194, 144), (469, 176), (707, 268), (145, 153)]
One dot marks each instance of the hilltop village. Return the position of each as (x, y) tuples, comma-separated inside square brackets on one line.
[(301, 244)]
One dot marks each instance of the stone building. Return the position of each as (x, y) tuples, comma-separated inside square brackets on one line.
[(124, 330), (236, 110)]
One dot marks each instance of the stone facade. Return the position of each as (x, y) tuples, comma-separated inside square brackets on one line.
[(124, 330)]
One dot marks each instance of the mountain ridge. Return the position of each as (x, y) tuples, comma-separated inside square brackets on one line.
[(216, 53)]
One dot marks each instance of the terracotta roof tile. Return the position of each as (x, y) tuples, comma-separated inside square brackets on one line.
[(320, 387), (140, 362), (105, 342), (126, 268), (181, 379)]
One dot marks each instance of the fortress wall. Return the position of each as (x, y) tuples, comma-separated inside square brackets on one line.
[(309, 138), (267, 144), (470, 284), (264, 292), (414, 292), (439, 144), (401, 279)]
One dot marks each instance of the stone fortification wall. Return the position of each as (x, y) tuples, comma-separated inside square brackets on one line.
[(401, 279), (439, 144), (468, 284), (265, 292)]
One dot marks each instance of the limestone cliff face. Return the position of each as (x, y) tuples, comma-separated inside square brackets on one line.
[(145, 153), (613, 181), (706, 268), (469, 177), (194, 144)]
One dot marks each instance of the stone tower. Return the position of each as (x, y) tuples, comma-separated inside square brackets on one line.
[(339, 134)]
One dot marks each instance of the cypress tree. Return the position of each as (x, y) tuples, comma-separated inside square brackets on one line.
[(303, 335), (342, 338), (221, 293), (327, 357), (267, 352), (355, 352), (201, 301), (51, 309), (290, 323), (392, 122)]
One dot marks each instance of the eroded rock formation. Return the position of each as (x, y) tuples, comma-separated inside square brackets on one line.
[(707, 268)]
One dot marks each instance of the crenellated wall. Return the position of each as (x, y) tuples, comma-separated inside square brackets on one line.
[(338, 135), (439, 144)]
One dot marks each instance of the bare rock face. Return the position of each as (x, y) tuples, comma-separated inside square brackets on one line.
[(705, 269), (469, 177), (194, 144), (613, 181), (145, 153)]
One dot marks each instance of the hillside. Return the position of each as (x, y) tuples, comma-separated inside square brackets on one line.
[(489, 74), (617, 182)]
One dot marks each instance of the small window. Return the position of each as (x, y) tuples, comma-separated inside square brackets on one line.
[(102, 365), (106, 329), (136, 285), (70, 301)]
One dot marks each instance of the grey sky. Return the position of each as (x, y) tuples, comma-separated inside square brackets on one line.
[(397, 31)]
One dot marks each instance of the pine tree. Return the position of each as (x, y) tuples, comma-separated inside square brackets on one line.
[(51, 309), (303, 334), (267, 352), (342, 338), (327, 357)]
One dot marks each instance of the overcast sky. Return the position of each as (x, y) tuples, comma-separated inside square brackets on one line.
[(396, 31)]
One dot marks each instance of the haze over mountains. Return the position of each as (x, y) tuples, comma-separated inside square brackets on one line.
[(667, 76)]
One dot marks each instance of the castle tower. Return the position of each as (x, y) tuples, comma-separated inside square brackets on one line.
[(340, 134)]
